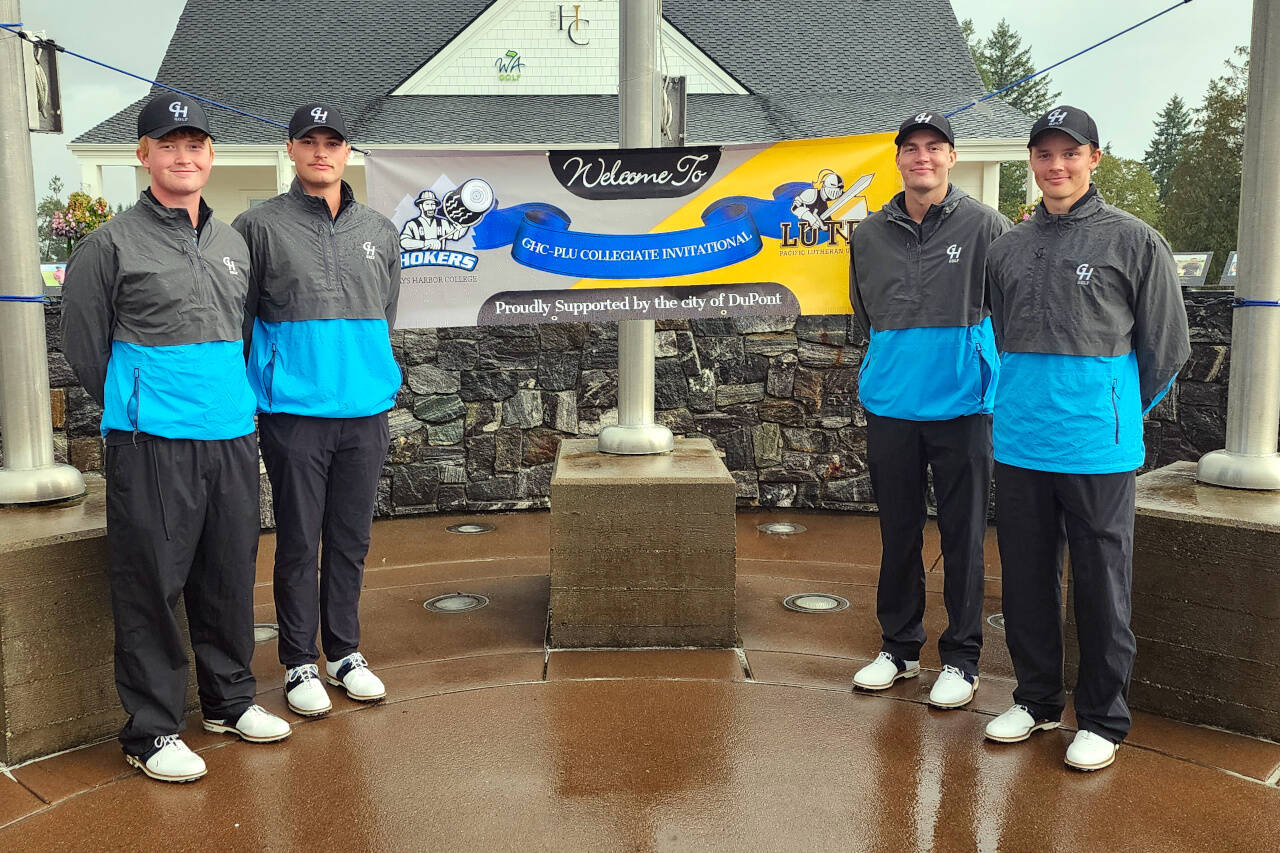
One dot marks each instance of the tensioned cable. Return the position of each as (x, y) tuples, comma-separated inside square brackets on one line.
[(1049, 68)]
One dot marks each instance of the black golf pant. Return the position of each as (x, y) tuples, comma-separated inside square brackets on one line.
[(182, 519), (1037, 513), (959, 453), (324, 481)]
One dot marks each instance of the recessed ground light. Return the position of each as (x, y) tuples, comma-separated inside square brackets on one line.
[(471, 527), (815, 602), (456, 602), (996, 620), (781, 528), (265, 632)]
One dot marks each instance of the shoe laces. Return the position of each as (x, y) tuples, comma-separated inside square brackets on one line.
[(889, 657), (953, 670), (302, 673), (355, 659), (171, 740)]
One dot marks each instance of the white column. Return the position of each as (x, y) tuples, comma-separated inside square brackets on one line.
[(91, 178), (284, 171), (991, 184)]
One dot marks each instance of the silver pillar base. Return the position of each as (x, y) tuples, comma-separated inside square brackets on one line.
[(634, 440), (1240, 471), (55, 482)]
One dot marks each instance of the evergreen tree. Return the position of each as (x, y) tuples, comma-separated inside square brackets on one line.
[(1129, 186), (1202, 209), (1002, 59), (53, 250), (1173, 126)]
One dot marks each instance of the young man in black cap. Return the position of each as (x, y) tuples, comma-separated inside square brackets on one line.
[(152, 318), (1092, 331), (918, 285), (322, 300)]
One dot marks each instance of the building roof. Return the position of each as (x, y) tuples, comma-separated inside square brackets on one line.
[(811, 68)]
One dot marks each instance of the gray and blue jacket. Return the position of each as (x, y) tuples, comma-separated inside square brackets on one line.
[(919, 292), (322, 299), (1092, 332), (152, 320)]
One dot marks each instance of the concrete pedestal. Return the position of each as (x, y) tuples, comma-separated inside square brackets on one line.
[(57, 675), (1206, 603), (642, 548)]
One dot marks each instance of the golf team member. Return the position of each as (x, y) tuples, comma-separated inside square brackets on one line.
[(918, 285), (152, 318), (322, 299), (1092, 332)]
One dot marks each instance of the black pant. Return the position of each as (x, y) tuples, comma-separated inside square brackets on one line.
[(324, 481), (959, 452), (182, 518), (1037, 512)]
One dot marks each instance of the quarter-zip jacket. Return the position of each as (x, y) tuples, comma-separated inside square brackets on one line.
[(1092, 329), (322, 300), (919, 292), (152, 315)]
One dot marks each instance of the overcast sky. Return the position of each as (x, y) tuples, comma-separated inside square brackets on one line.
[(1124, 84)]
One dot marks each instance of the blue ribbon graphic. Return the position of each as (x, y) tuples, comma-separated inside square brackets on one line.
[(539, 236)]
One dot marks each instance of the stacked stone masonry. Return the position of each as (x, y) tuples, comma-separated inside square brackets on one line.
[(482, 410)]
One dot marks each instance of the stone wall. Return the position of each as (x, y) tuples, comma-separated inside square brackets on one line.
[(482, 410)]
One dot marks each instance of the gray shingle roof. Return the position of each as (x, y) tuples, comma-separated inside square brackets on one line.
[(812, 68)]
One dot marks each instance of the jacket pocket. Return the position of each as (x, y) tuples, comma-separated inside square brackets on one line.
[(1115, 408), (269, 374), (134, 406), (984, 376)]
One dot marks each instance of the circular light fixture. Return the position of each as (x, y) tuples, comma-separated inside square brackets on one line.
[(996, 620), (456, 602), (265, 632), (471, 527), (781, 528), (815, 602)]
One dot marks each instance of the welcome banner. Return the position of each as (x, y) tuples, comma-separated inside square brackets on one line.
[(502, 237)]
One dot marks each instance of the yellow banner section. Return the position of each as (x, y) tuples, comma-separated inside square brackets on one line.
[(847, 176)]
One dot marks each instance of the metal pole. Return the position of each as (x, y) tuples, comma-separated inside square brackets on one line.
[(1250, 460), (640, 107), (29, 475)]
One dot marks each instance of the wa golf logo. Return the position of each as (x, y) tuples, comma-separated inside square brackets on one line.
[(1084, 272), (425, 238)]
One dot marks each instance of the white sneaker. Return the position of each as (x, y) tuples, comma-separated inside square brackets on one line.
[(173, 761), (1090, 751), (1017, 724), (352, 673), (256, 725), (304, 693), (953, 688), (882, 672)]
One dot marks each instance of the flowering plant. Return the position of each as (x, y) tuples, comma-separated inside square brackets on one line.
[(1025, 212), (81, 215)]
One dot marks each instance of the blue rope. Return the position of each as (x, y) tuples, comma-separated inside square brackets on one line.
[(1046, 70), (209, 101), (1255, 303), (23, 298)]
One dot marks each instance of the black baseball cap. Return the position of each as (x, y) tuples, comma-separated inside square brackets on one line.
[(930, 119), (310, 116), (1072, 121), (167, 113)]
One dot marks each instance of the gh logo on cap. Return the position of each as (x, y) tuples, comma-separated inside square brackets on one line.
[(320, 114), (924, 118), (179, 111), (1057, 117)]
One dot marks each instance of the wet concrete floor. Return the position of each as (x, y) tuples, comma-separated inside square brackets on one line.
[(488, 741)]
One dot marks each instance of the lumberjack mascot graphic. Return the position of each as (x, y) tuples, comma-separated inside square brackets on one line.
[(439, 222)]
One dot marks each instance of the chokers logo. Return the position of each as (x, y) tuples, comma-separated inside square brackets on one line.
[(1084, 273), (424, 238)]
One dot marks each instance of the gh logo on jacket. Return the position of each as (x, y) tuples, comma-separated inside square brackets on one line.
[(1084, 272), (953, 252), (230, 264), (370, 250)]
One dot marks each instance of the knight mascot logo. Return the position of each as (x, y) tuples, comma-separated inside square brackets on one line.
[(425, 238), (825, 207)]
